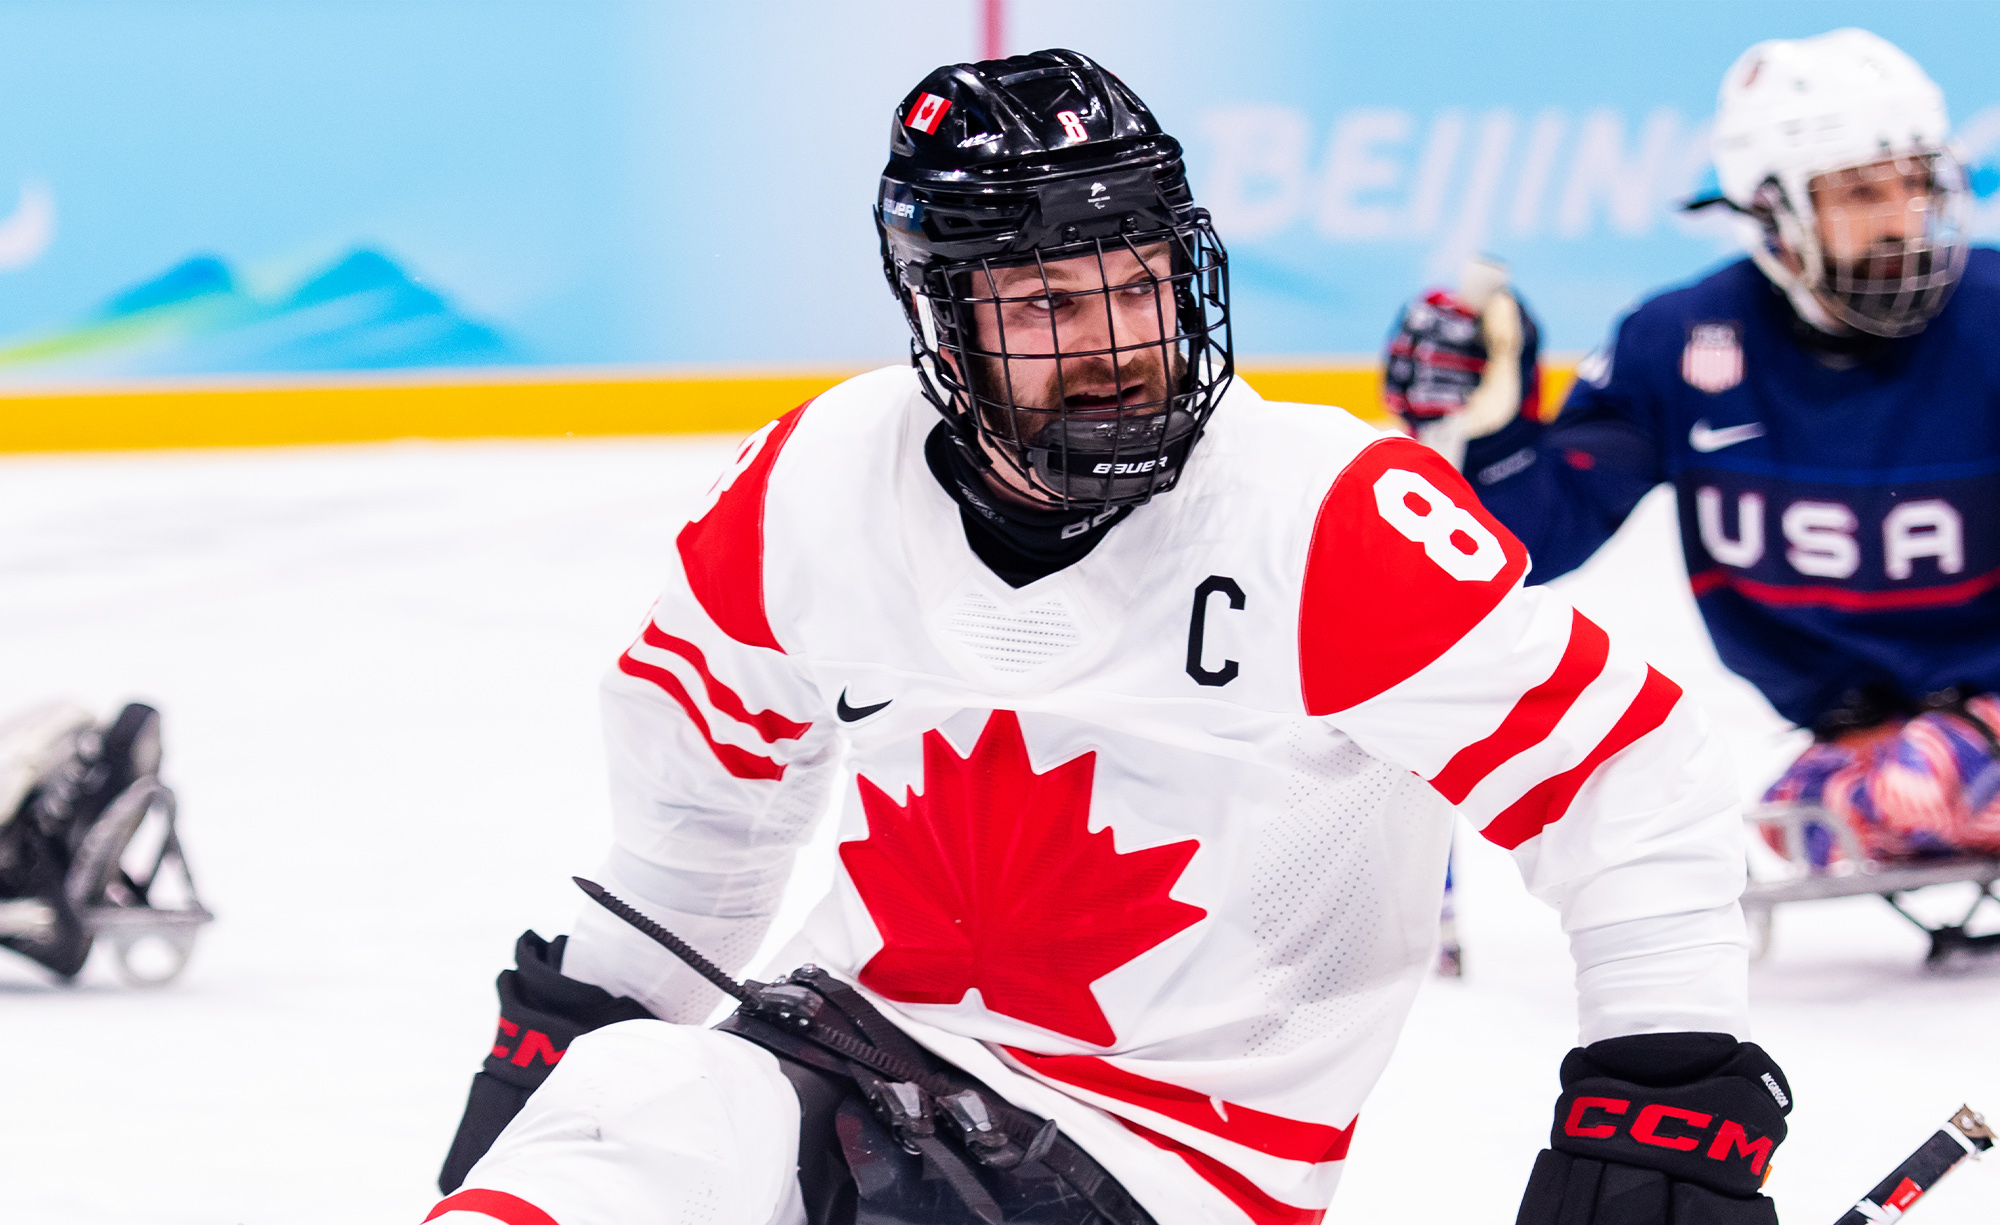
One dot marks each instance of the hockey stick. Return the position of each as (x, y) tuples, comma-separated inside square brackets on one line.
[(1451, 958), (1964, 1135), (672, 943)]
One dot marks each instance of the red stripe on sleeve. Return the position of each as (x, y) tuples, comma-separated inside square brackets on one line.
[(769, 724), (1246, 1195), (1534, 716), (1549, 799), (733, 759), (509, 1209), (1290, 1139)]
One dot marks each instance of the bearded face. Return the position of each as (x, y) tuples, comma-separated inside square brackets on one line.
[(1074, 348), (1889, 239)]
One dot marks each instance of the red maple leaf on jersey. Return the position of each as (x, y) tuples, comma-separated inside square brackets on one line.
[(992, 879)]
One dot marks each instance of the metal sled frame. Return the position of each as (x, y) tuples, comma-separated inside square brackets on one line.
[(1859, 874), (114, 902)]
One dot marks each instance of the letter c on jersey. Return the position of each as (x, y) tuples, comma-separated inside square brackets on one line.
[(1198, 625), (1573, 1125)]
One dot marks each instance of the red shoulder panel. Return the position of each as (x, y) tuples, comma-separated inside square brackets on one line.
[(723, 550), (1404, 562)]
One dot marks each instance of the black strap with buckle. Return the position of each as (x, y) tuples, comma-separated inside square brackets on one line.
[(924, 1142)]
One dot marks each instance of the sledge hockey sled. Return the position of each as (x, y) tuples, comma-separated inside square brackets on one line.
[(1853, 873), (124, 880)]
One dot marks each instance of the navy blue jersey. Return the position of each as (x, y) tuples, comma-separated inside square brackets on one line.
[(1841, 526)]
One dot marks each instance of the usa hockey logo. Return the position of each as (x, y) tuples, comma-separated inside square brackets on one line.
[(927, 113), (1713, 359)]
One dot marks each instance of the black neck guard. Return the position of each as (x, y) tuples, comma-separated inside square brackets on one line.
[(1018, 544)]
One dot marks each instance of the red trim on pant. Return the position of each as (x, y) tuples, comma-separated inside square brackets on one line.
[(1246, 1195), (1534, 716), (1547, 801), (502, 1207), (1289, 1139)]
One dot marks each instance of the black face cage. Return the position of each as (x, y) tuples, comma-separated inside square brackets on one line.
[(1896, 284), (1013, 389)]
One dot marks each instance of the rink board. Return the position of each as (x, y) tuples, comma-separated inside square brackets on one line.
[(510, 404)]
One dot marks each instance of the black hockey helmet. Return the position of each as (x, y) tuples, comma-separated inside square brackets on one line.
[(1023, 163)]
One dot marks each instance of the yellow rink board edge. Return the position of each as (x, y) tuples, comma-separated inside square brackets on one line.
[(495, 406)]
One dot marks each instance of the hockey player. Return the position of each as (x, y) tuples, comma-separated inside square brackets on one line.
[(1147, 702), (1824, 411)]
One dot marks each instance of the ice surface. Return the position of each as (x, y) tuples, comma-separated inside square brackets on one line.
[(377, 666)]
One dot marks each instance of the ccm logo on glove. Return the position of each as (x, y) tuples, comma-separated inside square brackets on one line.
[(535, 1044), (1684, 1129), (1700, 1108)]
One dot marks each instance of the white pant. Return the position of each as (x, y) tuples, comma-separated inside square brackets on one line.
[(644, 1121)]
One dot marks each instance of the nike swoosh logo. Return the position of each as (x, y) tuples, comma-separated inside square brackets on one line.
[(849, 714), (1704, 439)]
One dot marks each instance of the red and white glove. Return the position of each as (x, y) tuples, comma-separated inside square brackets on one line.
[(1462, 365)]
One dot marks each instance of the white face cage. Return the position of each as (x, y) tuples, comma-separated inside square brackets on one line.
[(1874, 248)]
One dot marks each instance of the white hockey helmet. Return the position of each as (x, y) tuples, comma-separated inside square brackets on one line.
[(1792, 114)]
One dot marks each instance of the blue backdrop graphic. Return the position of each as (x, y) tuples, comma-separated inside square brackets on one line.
[(198, 187)]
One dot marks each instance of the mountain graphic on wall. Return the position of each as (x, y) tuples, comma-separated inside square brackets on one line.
[(362, 313)]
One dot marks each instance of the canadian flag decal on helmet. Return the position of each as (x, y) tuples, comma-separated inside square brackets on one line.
[(926, 114)]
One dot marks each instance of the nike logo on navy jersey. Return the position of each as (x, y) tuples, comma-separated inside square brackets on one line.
[(1704, 439), (849, 714)]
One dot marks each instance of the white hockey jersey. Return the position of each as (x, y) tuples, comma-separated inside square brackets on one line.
[(1153, 845)]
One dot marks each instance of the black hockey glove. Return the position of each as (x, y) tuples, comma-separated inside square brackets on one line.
[(1437, 355), (1661, 1129), (541, 1013), (1435, 358)]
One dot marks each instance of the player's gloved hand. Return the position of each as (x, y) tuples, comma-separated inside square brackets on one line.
[(1435, 358), (1462, 365), (541, 1013), (1661, 1129)]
